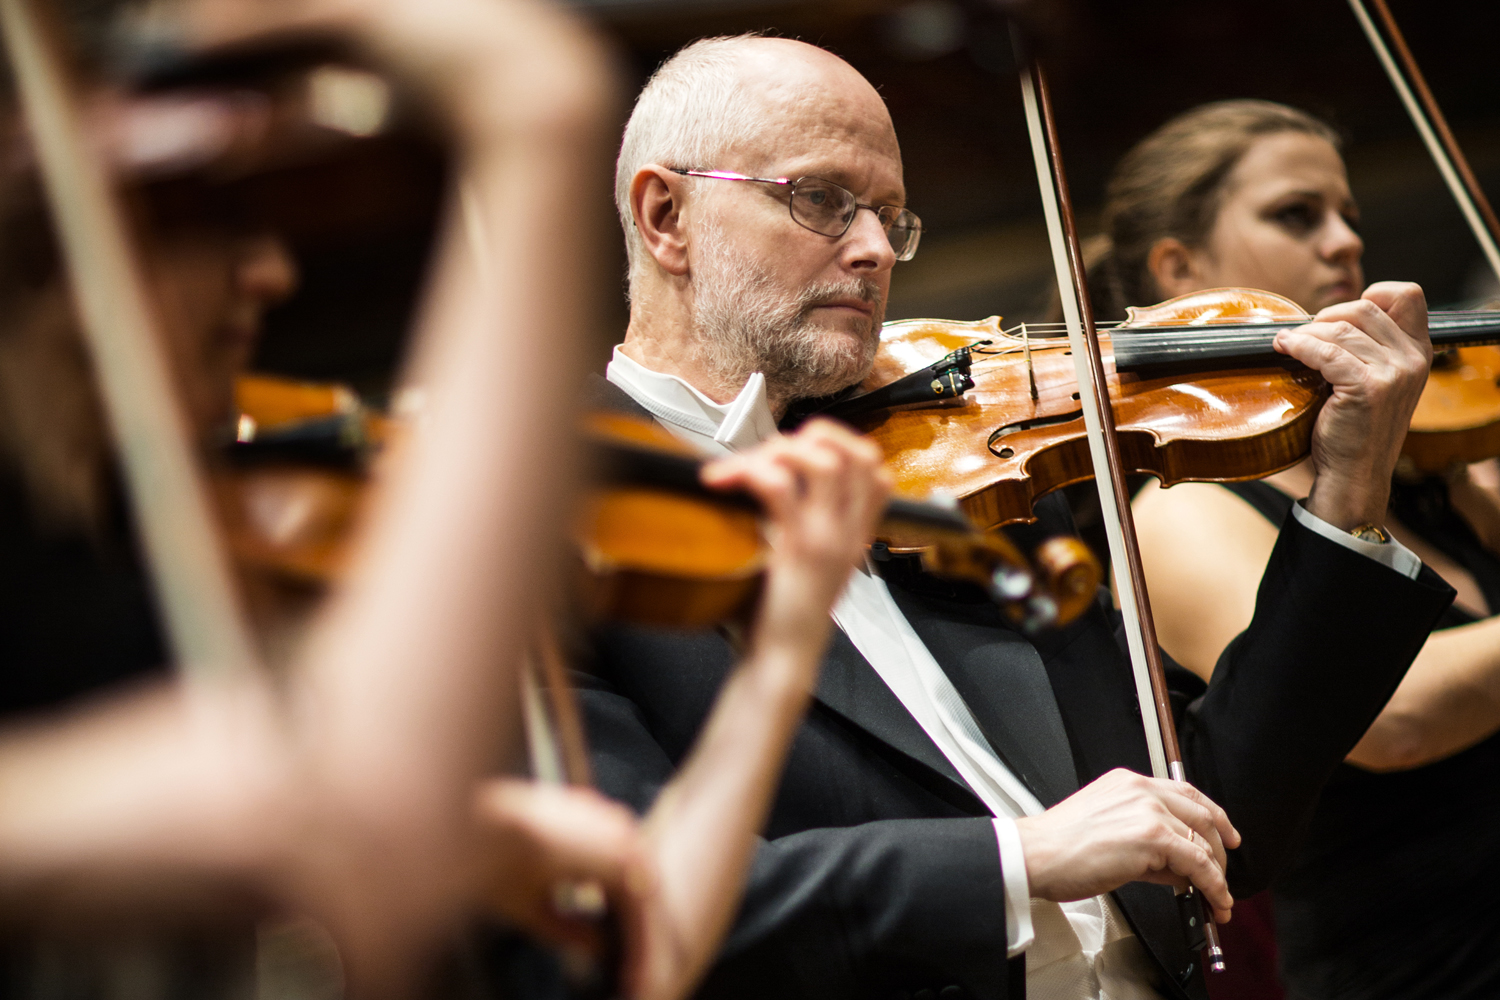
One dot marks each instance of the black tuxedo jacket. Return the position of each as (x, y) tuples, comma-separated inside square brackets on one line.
[(879, 874)]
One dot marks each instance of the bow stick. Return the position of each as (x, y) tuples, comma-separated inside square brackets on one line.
[(558, 752), (204, 621), (1432, 125), (1104, 450)]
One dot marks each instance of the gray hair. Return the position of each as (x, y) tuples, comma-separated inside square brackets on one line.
[(691, 111)]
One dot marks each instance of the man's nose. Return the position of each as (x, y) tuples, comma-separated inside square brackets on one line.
[(266, 270), (866, 248)]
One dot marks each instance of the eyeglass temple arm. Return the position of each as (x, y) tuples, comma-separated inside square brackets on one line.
[(724, 175)]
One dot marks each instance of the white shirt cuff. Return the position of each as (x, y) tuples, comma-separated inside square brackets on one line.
[(1392, 553), (1018, 930)]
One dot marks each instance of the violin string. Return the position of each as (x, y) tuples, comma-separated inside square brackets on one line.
[(1160, 344)]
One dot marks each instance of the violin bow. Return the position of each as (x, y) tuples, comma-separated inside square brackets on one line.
[(1432, 125), (189, 567), (1104, 450), (558, 752)]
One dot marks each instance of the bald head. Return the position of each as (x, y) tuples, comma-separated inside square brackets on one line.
[(742, 103)]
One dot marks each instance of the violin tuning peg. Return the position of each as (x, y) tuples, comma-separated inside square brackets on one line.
[(1011, 583), (1043, 610)]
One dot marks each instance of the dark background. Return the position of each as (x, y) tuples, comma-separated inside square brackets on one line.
[(1118, 69)]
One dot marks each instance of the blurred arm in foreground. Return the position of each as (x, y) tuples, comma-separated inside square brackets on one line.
[(349, 792)]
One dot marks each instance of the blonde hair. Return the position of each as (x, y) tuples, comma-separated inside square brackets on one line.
[(53, 437), (1172, 185)]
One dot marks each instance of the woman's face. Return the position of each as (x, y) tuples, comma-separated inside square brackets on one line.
[(1287, 224), (212, 289)]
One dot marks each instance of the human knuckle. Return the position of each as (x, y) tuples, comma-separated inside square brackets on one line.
[(824, 460)]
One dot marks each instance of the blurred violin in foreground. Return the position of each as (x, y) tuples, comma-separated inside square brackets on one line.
[(660, 548), (654, 545), (293, 481)]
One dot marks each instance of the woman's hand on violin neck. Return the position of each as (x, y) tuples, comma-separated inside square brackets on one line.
[(1375, 355), (824, 489)]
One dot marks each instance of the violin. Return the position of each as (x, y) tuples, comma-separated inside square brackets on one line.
[(1197, 390), (654, 545), (1457, 420), (659, 548), (293, 481)]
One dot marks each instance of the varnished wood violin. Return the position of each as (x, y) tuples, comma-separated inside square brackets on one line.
[(1198, 393), (660, 548)]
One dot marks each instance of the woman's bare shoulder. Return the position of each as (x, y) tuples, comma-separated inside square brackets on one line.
[(1189, 516)]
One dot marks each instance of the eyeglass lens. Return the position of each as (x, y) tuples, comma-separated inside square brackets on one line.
[(827, 208)]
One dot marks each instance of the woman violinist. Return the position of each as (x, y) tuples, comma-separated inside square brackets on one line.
[(1388, 896)]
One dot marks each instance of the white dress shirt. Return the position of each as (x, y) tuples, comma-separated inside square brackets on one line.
[(1083, 950)]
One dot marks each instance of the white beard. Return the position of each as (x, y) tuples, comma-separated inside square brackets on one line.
[(744, 324)]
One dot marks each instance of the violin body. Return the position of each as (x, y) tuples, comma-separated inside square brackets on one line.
[(656, 547), (294, 483), (1457, 421), (996, 449), (658, 557)]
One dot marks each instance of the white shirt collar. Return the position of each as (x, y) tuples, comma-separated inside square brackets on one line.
[(716, 428)]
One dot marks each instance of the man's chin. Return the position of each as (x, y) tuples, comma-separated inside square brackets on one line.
[(853, 335), (842, 360)]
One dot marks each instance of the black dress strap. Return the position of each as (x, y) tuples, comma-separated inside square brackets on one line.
[(1427, 514), (1272, 504), (1427, 508)]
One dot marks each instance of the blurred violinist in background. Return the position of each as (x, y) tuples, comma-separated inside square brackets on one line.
[(1388, 895), (159, 823), (170, 800)]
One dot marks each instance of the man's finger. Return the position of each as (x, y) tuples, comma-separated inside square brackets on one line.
[(1215, 819), (1208, 841), (1405, 303), (1368, 320), (1194, 862), (1321, 354)]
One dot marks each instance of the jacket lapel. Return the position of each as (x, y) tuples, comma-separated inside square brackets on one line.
[(1000, 676), (851, 688)]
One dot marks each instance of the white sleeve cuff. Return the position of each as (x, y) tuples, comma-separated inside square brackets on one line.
[(1392, 553), (1018, 930)]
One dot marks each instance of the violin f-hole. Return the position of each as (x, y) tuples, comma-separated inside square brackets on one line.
[(1026, 425)]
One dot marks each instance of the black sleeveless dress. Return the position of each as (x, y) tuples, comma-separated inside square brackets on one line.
[(1395, 891)]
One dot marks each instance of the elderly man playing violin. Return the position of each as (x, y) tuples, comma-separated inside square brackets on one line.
[(964, 810)]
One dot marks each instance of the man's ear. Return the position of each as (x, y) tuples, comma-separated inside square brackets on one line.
[(1174, 267), (656, 200)]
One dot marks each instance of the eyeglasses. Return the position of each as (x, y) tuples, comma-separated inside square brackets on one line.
[(829, 209)]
